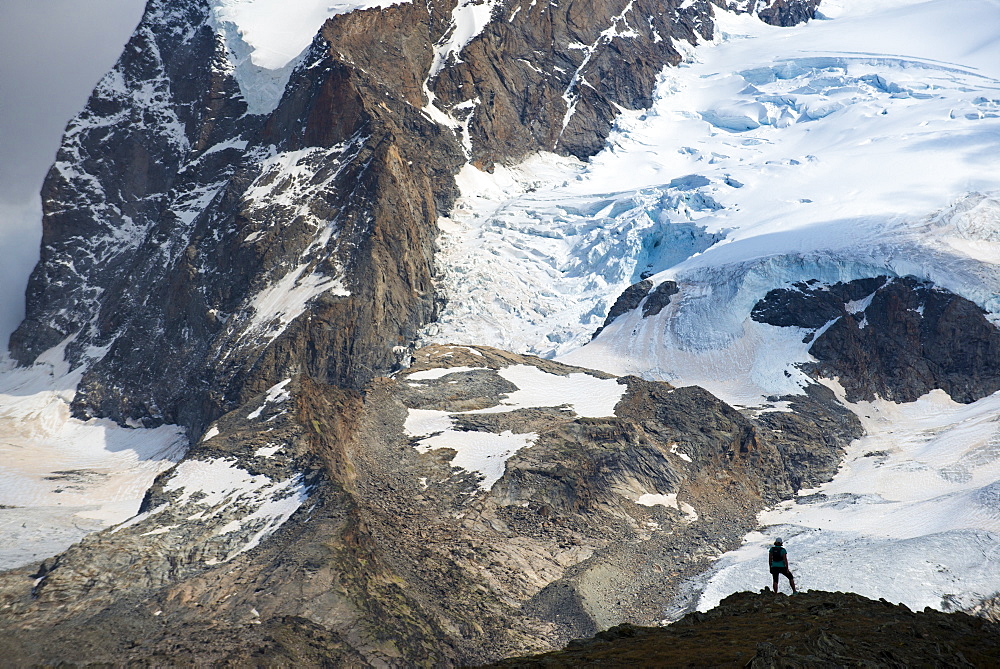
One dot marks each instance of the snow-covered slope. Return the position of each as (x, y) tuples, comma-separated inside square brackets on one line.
[(913, 516), (62, 478), (860, 145)]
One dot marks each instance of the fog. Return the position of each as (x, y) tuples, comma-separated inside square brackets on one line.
[(52, 52)]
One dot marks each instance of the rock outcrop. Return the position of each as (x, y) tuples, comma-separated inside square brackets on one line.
[(358, 526), (811, 629), (652, 300), (893, 338)]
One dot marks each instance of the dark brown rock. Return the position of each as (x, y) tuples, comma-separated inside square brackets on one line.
[(659, 298), (811, 629), (910, 338), (652, 301)]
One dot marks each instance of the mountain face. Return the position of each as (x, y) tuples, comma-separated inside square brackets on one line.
[(253, 255), (185, 236), (397, 555)]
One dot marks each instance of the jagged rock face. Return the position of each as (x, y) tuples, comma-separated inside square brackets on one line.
[(193, 251), (893, 338), (298, 241), (652, 301), (400, 550), (779, 12), (812, 629), (549, 75)]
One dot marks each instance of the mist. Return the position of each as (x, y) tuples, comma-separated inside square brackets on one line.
[(52, 53)]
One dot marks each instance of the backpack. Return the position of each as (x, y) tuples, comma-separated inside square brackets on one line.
[(777, 556)]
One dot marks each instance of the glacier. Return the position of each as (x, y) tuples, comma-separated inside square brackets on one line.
[(855, 158), (864, 143)]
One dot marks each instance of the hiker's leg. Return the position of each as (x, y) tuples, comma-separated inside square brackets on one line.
[(791, 581), (775, 583)]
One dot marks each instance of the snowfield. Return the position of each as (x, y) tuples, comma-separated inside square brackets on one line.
[(864, 143), (62, 478), (913, 515)]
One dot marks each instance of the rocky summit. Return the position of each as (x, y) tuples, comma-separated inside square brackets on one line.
[(448, 332), (812, 629)]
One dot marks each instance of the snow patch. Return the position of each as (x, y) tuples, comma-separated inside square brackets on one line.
[(433, 374), (467, 20), (585, 395), (283, 301), (484, 453), (651, 499), (487, 453), (683, 456), (425, 422), (858, 306), (267, 38), (275, 395), (268, 451)]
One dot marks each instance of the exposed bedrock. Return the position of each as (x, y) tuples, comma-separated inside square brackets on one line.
[(812, 629), (193, 253), (652, 300), (398, 554), (893, 338)]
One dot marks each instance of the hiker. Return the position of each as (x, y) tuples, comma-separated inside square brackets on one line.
[(777, 559)]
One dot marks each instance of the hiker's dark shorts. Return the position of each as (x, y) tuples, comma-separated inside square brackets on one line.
[(781, 570)]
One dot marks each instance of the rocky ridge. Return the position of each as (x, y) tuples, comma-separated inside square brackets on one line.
[(811, 629), (393, 553), (896, 338)]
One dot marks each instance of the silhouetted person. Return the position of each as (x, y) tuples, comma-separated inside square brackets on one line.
[(777, 558)]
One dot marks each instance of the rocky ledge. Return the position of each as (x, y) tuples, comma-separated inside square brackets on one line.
[(811, 629)]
